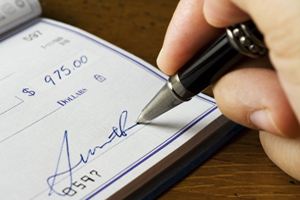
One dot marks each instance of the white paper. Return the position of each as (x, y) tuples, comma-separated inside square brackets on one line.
[(16, 12), (69, 102)]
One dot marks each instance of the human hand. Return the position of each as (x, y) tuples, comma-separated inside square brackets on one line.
[(254, 94)]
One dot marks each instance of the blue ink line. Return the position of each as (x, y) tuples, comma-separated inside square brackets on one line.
[(83, 166), (128, 136), (13, 106), (186, 127), (111, 137), (206, 100), (6, 76), (65, 141), (116, 133), (150, 153), (29, 125)]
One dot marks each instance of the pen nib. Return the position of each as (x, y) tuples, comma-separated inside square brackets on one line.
[(141, 119), (161, 103)]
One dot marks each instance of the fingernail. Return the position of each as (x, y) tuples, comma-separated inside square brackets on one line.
[(159, 56), (209, 10), (263, 120)]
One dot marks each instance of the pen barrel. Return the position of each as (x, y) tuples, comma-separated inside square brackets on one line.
[(199, 73)]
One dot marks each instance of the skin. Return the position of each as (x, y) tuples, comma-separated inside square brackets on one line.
[(260, 94)]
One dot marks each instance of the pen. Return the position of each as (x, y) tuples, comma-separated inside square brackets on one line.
[(238, 41)]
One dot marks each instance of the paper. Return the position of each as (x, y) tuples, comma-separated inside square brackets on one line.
[(14, 13), (69, 102)]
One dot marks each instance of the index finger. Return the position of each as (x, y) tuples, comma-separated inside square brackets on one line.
[(188, 32)]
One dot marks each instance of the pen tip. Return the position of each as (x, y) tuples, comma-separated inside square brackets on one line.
[(141, 120)]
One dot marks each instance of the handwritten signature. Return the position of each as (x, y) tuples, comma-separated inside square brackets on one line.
[(116, 133)]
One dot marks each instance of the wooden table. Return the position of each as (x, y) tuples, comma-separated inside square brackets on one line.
[(240, 169)]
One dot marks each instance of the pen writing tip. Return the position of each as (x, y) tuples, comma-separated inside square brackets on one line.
[(140, 120)]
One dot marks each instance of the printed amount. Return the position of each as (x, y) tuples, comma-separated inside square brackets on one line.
[(64, 71)]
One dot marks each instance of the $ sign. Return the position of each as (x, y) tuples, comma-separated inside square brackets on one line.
[(29, 92)]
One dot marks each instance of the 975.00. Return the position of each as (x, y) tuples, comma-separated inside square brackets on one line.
[(64, 71)]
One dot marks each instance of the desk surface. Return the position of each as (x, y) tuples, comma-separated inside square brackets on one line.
[(240, 169)]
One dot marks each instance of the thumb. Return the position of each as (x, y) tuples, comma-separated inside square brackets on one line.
[(281, 34)]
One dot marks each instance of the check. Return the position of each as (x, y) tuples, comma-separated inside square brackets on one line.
[(69, 102)]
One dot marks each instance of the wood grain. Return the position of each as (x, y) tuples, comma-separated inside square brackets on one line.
[(240, 170)]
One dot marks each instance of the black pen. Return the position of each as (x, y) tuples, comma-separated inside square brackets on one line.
[(240, 40)]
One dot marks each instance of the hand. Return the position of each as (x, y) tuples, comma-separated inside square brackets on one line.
[(254, 94)]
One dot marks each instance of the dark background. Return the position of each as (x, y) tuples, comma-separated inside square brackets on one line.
[(240, 170)]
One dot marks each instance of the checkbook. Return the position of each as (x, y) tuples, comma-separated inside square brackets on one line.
[(69, 101)]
